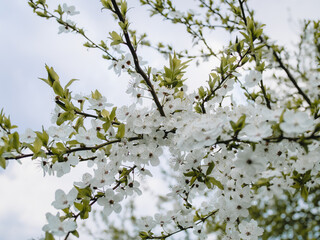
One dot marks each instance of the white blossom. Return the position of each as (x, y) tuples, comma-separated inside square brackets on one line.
[(99, 104), (250, 163), (252, 79), (28, 136), (250, 230), (63, 200), (65, 28), (146, 223), (60, 133), (70, 10), (296, 122), (88, 137), (256, 132), (110, 202), (58, 227)]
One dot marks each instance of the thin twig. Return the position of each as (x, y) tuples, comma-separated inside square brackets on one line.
[(278, 59), (265, 94), (184, 228), (136, 60), (75, 149)]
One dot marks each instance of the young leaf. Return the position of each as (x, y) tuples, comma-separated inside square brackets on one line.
[(216, 183), (37, 145), (116, 38), (49, 236), (52, 75), (15, 141), (2, 162), (121, 131), (69, 83), (58, 89)]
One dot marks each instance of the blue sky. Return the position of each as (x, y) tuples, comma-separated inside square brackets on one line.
[(28, 42)]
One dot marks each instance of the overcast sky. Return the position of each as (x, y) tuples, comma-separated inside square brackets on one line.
[(28, 42)]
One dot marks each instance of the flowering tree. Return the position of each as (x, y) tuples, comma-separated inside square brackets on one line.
[(239, 169)]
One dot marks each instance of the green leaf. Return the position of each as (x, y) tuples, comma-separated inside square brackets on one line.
[(96, 95), (124, 26), (101, 136), (116, 38), (99, 194), (79, 123), (296, 185), (198, 109), (121, 131), (37, 145), (3, 162), (84, 192), (31, 4), (75, 233), (84, 207), (52, 75), (233, 125), (210, 168), (59, 10), (208, 183), (190, 174), (7, 122), (113, 113), (193, 179), (69, 83), (49, 236), (72, 142), (304, 193), (84, 214), (43, 136), (317, 128), (61, 148), (64, 117), (263, 181), (41, 14), (216, 183), (241, 122), (124, 8), (105, 113), (15, 141), (107, 4), (106, 125), (306, 177), (46, 81), (202, 93), (143, 235), (78, 206), (58, 89)]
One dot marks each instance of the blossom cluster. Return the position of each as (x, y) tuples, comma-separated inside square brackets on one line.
[(198, 146), (226, 158)]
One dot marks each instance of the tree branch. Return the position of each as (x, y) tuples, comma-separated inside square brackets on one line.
[(49, 153), (95, 199), (265, 94), (183, 228), (136, 60), (278, 59), (291, 78)]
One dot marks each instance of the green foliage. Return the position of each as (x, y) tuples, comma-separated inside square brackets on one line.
[(116, 38), (287, 219), (172, 77), (49, 236), (121, 131), (239, 125)]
